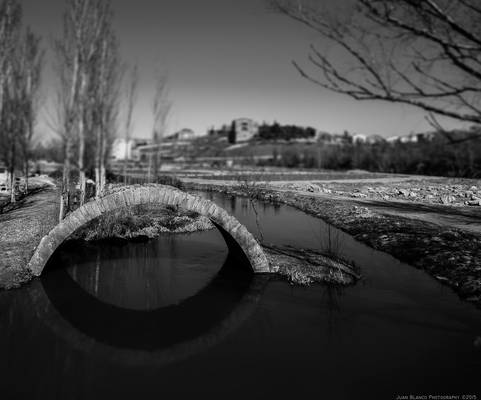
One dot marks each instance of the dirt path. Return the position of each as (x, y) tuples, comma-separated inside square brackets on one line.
[(463, 218), (21, 230)]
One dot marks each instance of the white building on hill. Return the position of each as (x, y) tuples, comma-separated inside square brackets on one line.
[(359, 138), (122, 149), (245, 129)]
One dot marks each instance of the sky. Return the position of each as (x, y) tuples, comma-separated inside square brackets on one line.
[(224, 59)]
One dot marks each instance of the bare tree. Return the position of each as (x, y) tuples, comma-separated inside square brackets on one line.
[(30, 65), (20, 67), (10, 25), (161, 107), (62, 123), (105, 94), (423, 53), (131, 100), (86, 25)]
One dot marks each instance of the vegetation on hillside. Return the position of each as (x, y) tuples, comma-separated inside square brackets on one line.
[(438, 157)]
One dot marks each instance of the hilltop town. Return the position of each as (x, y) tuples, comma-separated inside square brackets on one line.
[(246, 142)]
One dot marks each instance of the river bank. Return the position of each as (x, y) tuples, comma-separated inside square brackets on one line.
[(33, 220), (451, 255)]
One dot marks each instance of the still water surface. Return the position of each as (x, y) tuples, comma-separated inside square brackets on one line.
[(177, 318)]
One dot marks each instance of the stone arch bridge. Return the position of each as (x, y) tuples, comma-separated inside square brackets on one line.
[(239, 240)]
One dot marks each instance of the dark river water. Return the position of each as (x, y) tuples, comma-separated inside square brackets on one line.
[(178, 318)]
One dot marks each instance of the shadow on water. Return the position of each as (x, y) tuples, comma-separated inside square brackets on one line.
[(147, 329)]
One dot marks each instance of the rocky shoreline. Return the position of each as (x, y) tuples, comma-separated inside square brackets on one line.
[(456, 193), (451, 256)]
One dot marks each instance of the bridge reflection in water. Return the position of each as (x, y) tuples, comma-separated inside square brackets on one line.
[(183, 319), (279, 341)]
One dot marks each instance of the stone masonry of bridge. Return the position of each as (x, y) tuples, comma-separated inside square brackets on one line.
[(161, 195)]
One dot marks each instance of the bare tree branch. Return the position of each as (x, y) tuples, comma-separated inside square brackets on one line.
[(423, 53)]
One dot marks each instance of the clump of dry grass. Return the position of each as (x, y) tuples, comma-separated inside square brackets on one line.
[(142, 221)]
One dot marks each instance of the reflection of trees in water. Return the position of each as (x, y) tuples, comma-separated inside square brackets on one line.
[(277, 208), (160, 336), (142, 276), (233, 204), (331, 303), (331, 242)]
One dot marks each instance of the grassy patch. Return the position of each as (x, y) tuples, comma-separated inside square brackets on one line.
[(141, 222)]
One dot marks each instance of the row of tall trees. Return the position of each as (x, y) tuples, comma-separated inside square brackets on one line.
[(438, 157), (21, 58), (88, 97)]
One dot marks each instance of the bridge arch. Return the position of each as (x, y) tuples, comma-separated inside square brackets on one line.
[(238, 238)]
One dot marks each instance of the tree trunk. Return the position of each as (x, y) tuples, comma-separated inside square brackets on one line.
[(103, 156), (83, 186), (26, 176), (149, 176), (98, 184), (81, 133), (65, 196), (102, 179), (12, 171), (12, 187), (61, 212)]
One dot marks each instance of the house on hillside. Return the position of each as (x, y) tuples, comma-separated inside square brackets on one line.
[(323, 137), (426, 136), (124, 149), (367, 139), (3, 174), (359, 138), (184, 135), (374, 139), (342, 140), (244, 129), (411, 138)]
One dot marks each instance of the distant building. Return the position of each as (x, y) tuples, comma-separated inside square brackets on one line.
[(342, 140), (124, 149), (184, 135), (393, 139), (358, 138), (411, 138), (245, 129), (373, 139), (3, 174), (426, 136)]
